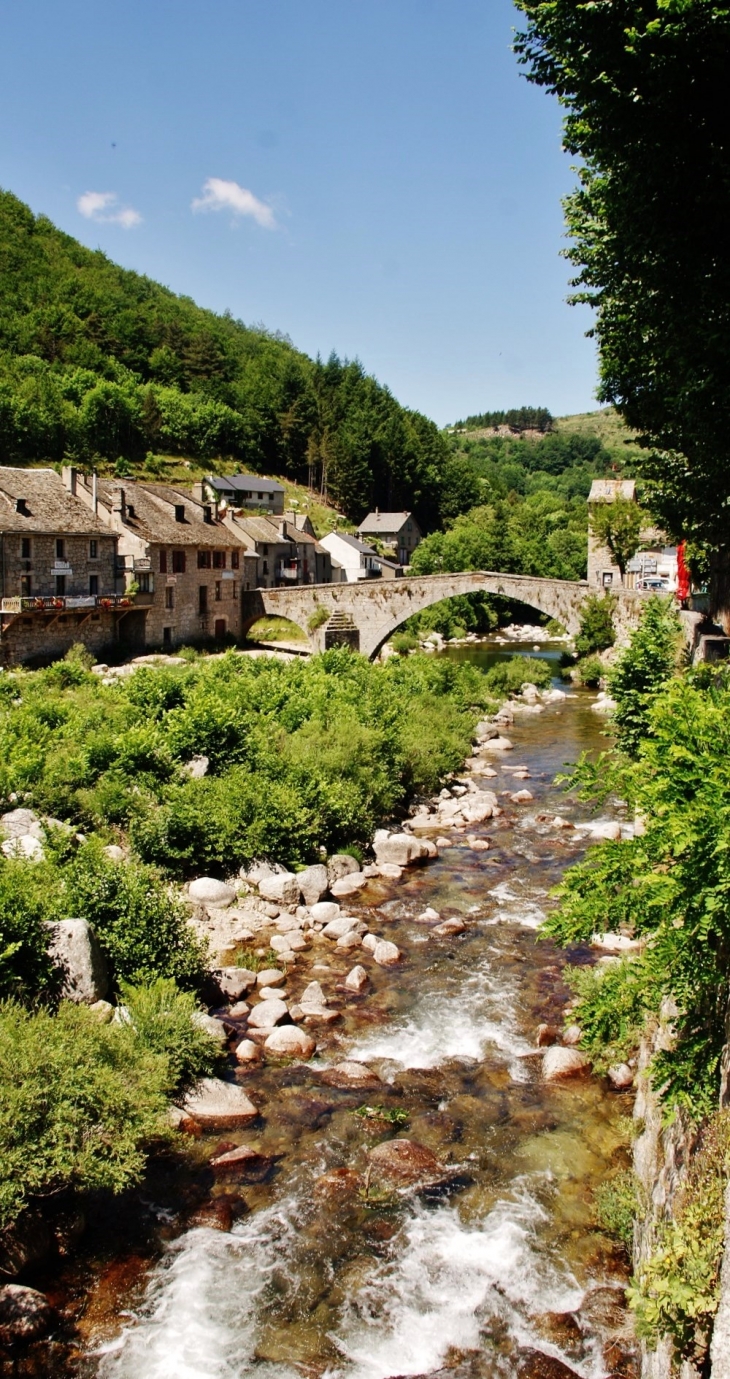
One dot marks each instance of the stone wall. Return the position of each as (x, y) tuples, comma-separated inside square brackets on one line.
[(41, 637), (40, 567)]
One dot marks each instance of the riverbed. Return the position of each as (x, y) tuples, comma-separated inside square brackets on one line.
[(501, 1272)]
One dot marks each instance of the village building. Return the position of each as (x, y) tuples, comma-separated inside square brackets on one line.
[(285, 552), (181, 566), (57, 570), (654, 566), (357, 559), (398, 532), (242, 491)]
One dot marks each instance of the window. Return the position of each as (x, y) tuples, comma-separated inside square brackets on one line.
[(144, 581), (163, 562), (219, 560), (218, 591), (25, 589), (271, 497), (93, 550), (130, 511), (264, 550), (25, 548), (170, 597), (265, 567), (203, 560), (60, 547), (234, 589), (93, 584), (203, 598), (60, 586), (179, 512), (178, 562), (167, 636), (235, 559)]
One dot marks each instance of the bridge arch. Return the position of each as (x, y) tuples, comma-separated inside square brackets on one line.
[(377, 608)]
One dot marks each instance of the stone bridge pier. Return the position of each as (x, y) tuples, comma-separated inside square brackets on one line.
[(366, 614)]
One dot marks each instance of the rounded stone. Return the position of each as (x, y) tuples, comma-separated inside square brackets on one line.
[(559, 1062), (207, 890), (290, 1042)]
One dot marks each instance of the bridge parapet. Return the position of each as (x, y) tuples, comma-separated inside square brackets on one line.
[(377, 608)]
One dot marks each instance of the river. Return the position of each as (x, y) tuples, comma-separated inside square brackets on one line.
[(504, 1274)]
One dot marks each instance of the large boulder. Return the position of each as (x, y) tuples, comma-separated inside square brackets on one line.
[(234, 982), (324, 911), (339, 865), (18, 823), (289, 1042), (25, 845), (211, 1027), (349, 1073), (207, 890), (75, 949), (313, 883), (400, 849), (267, 1014), (313, 995), (217, 1105), (282, 889), (25, 1313), (559, 1062), (407, 1164)]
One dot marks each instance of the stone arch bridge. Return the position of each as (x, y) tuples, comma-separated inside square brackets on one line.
[(365, 614)]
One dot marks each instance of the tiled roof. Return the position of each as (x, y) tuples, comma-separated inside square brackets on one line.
[(377, 522), (50, 508)]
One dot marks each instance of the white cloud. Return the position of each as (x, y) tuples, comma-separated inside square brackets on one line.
[(219, 195), (104, 208)]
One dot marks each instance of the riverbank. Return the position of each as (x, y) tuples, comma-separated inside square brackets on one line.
[(328, 1267)]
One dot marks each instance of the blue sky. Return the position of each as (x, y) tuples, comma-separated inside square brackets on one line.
[(373, 176)]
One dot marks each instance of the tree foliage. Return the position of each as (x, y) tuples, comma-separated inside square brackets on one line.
[(617, 526), (642, 85), (597, 631)]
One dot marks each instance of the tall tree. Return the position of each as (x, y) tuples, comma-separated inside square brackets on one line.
[(643, 86), (617, 526)]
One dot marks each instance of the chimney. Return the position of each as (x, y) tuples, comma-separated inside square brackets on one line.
[(69, 474), (198, 493), (119, 503)]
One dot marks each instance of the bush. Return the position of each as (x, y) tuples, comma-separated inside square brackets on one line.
[(650, 659), (590, 671), (403, 642), (163, 1020), (508, 677), (597, 631), (79, 1104), (617, 1205), (26, 901), (318, 618)]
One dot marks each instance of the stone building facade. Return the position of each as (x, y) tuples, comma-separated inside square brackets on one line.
[(57, 570), (181, 566)]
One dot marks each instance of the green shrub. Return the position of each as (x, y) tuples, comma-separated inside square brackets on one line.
[(597, 631), (555, 628), (617, 1205), (162, 1018), (26, 901), (508, 677), (403, 642), (650, 659), (318, 618), (79, 1104), (590, 671)]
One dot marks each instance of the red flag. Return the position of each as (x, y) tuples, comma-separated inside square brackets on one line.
[(684, 581)]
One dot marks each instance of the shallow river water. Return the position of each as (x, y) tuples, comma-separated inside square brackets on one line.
[(504, 1274)]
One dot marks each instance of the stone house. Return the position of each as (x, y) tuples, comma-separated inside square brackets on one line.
[(242, 491), (57, 570), (398, 532), (358, 560), (182, 566), (286, 554), (655, 562)]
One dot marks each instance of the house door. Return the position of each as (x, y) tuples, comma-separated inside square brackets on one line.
[(220, 629)]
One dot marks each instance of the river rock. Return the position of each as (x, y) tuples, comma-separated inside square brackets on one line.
[(390, 871), (350, 1073), (609, 831), (338, 1183), (283, 889), (272, 993), (405, 1163), (545, 1035), (247, 1052), (196, 767), (325, 911), (234, 982), (19, 823), (522, 797), (293, 942), (449, 928), (428, 916), (477, 809), (206, 890), (344, 924), (25, 1313), (270, 976), (534, 1364), (479, 844), (349, 940), (572, 1035), (290, 1042), (28, 1241), (24, 846), (615, 943), (75, 949), (401, 849), (350, 884), (266, 1015), (313, 995), (369, 942), (621, 1076), (356, 980), (339, 865), (217, 1105), (385, 953), (313, 883), (210, 1026), (559, 1062), (243, 1163), (498, 744)]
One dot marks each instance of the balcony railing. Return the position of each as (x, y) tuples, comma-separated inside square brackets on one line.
[(52, 603)]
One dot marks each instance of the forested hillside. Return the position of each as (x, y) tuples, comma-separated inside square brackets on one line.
[(104, 365)]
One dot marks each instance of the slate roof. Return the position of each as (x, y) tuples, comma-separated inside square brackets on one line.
[(244, 482), (377, 523), (50, 508), (154, 515)]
